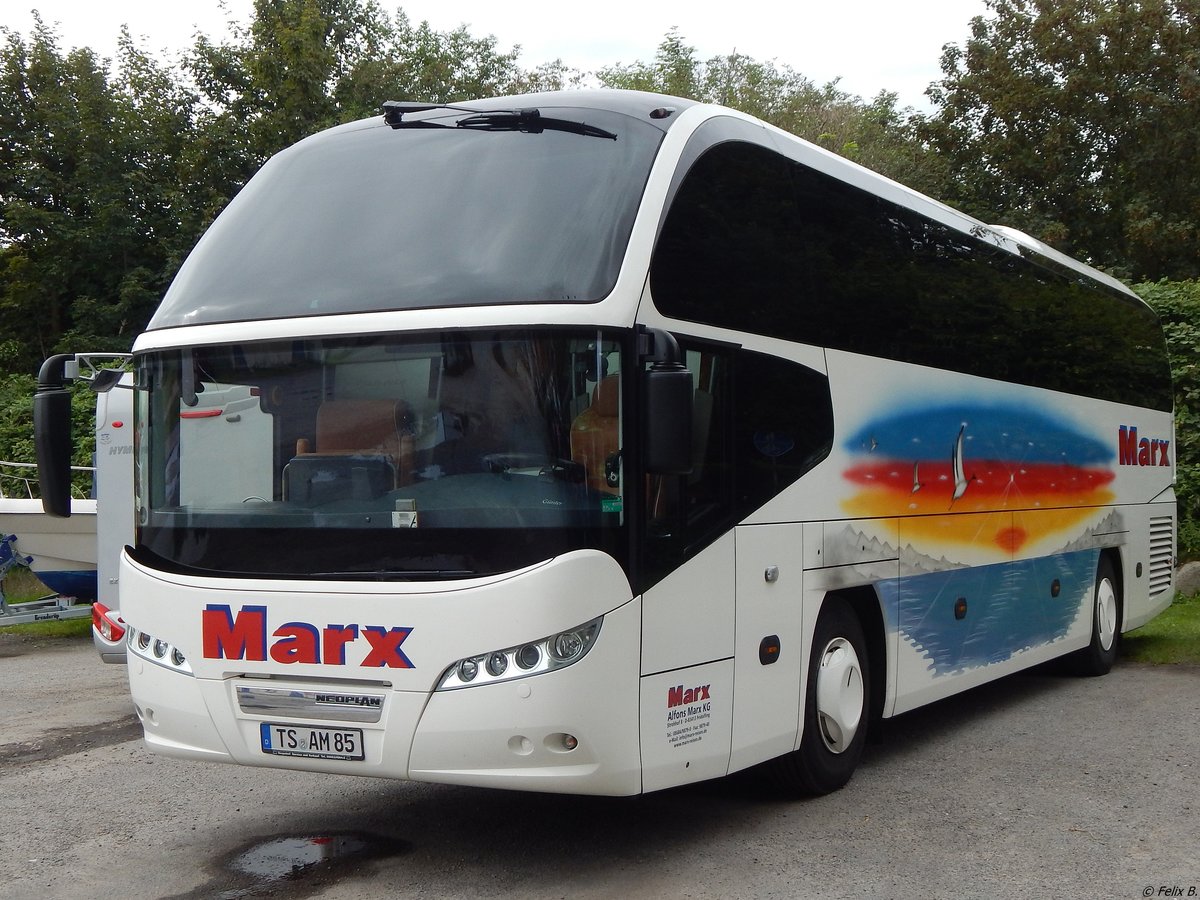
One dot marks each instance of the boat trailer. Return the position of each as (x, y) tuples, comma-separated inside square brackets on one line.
[(46, 609)]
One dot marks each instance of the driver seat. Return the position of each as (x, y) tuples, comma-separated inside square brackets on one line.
[(595, 433)]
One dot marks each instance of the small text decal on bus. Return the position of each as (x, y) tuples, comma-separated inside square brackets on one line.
[(1144, 452), (689, 714), (244, 636)]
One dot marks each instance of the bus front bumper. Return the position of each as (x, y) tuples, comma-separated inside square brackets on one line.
[(573, 730)]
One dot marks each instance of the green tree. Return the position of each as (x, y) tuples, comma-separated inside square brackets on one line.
[(16, 435), (876, 134), (1078, 121), (1178, 306), (305, 65), (89, 195), (56, 187)]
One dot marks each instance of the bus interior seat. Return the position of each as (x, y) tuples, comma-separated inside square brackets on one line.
[(370, 436), (595, 433)]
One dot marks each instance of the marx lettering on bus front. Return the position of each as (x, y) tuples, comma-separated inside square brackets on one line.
[(1135, 451), (244, 636)]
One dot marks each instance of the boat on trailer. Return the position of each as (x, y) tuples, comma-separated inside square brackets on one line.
[(60, 552)]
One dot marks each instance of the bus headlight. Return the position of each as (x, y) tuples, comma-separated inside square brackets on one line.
[(143, 646), (497, 663), (530, 658)]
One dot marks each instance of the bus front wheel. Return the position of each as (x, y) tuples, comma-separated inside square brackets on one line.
[(836, 706)]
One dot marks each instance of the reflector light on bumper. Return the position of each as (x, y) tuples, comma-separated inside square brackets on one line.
[(533, 658)]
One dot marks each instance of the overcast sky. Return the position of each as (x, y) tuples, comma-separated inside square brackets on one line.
[(872, 45)]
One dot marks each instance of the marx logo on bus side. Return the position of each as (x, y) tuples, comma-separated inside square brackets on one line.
[(678, 696), (1141, 452), (244, 636)]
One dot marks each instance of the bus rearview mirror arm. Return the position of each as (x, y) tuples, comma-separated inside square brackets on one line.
[(667, 411)]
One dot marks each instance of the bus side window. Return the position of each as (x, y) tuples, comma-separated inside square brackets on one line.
[(783, 426)]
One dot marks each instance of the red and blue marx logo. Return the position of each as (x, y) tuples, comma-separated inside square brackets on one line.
[(244, 636), (1135, 451)]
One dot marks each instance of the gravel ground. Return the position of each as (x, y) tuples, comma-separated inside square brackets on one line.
[(1040, 785)]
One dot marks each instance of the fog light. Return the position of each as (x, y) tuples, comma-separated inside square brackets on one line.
[(497, 663), (570, 742)]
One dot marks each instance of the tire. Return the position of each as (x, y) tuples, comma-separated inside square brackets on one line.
[(1099, 656), (837, 707)]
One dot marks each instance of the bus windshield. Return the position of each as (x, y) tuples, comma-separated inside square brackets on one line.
[(432, 455), (369, 218)]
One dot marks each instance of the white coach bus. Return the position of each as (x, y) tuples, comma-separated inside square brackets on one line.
[(600, 442)]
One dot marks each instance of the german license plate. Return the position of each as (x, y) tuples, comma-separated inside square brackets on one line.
[(314, 741)]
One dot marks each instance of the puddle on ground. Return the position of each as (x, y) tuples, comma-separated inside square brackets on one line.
[(291, 857), (305, 862)]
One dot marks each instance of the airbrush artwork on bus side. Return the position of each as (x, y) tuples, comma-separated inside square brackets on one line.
[(978, 459), (1000, 505)]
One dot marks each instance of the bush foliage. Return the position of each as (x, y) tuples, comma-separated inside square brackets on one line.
[(1178, 305)]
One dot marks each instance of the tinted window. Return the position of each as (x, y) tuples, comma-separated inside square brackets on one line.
[(756, 242), (783, 426), (375, 218)]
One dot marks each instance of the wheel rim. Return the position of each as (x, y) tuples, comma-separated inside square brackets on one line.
[(1106, 613), (839, 695)]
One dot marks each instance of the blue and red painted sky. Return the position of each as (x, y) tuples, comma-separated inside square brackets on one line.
[(1012, 458)]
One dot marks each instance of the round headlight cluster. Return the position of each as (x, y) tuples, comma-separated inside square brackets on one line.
[(156, 651), (533, 658)]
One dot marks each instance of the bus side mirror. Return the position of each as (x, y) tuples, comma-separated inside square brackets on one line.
[(668, 419), (52, 436)]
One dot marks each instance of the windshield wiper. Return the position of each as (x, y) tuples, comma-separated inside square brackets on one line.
[(394, 112), (529, 121)]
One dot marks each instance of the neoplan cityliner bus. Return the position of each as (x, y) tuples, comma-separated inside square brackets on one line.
[(600, 442)]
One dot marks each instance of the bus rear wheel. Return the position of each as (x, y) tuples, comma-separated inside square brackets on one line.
[(1098, 657), (835, 709)]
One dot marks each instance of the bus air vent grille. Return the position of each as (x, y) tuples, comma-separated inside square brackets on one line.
[(1162, 543)]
